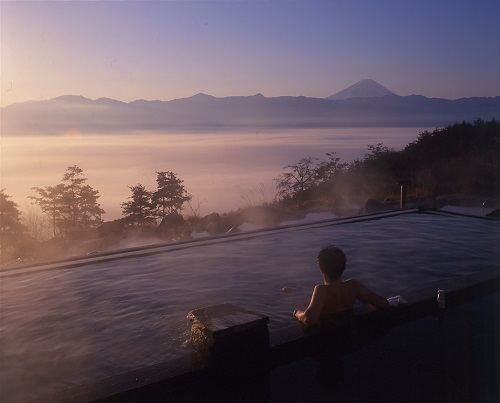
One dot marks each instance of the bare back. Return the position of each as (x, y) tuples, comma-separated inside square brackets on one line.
[(339, 296)]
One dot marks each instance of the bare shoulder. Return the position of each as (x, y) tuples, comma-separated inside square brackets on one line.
[(320, 288), (352, 282), (320, 291), (366, 295), (355, 286)]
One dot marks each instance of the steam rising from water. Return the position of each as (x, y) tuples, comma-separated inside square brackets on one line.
[(66, 326), (217, 169)]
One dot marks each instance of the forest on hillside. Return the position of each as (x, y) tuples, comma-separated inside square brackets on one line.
[(461, 159)]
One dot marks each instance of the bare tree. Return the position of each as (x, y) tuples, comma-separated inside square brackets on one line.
[(36, 222), (297, 179)]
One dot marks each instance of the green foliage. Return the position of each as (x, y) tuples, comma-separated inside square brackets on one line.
[(329, 175), (9, 213), (50, 201), (461, 158), (10, 224), (70, 205), (80, 208), (145, 207), (140, 210), (170, 194), (376, 174)]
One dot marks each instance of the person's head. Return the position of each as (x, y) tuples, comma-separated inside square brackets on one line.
[(332, 261)]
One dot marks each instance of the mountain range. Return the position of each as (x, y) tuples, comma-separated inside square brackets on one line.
[(364, 104)]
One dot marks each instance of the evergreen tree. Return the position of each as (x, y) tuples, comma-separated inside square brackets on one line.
[(170, 194), (71, 204), (50, 201), (139, 210), (10, 224), (71, 201), (80, 206), (90, 210)]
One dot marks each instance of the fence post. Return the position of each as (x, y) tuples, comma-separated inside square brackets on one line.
[(402, 199)]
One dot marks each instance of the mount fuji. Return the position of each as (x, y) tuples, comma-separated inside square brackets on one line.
[(367, 88)]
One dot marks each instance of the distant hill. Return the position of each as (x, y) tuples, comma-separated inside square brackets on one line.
[(362, 89), (365, 104)]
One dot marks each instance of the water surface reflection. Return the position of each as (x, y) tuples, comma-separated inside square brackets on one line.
[(69, 326)]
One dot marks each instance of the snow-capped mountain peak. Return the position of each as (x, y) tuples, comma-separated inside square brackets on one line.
[(367, 88)]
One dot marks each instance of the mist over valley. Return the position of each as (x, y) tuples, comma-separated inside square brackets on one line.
[(217, 168)]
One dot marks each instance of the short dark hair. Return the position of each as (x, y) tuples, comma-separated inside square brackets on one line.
[(332, 261)]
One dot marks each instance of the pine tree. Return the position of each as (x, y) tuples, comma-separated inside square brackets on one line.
[(71, 204), (50, 201), (139, 210), (90, 210), (80, 206), (170, 194), (10, 225)]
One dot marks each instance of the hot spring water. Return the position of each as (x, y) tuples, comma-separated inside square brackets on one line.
[(66, 326)]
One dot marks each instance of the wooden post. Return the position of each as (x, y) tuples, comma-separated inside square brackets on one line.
[(402, 199)]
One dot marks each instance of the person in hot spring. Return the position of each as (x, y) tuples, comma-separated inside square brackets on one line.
[(336, 295)]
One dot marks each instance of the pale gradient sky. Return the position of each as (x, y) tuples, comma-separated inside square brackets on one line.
[(175, 49)]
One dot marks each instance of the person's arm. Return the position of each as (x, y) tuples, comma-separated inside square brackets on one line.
[(310, 317), (367, 296)]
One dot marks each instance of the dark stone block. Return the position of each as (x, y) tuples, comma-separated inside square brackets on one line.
[(219, 227), (375, 206), (228, 336), (172, 221), (111, 228), (494, 214)]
